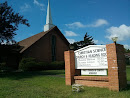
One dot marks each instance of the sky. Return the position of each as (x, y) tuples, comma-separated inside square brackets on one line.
[(101, 19)]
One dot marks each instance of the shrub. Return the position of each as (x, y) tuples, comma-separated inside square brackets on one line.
[(42, 66), (30, 64), (57, 65), (4, 67), (27, 63)]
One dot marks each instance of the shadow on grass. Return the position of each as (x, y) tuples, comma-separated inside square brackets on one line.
[(29, 74), (128, 87)]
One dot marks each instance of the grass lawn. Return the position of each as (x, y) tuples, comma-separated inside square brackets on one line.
[(128, 73), (43, 84)]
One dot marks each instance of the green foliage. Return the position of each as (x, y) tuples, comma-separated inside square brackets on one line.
[(127, 50), (57, 65), (88, 40), (4, 67), (27, 63), (42, 66), (30, 64), (128, 73), (127, 61), (10, 55), (9, 21)]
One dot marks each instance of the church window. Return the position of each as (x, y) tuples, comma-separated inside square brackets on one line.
[(53, 48)]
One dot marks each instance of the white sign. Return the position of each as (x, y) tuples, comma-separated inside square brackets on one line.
[(94, 72), (91, 57)]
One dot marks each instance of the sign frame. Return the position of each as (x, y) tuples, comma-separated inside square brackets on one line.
[(91, 57)]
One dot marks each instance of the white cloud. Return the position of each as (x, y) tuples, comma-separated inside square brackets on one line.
[(70, 33), (25, 7), (39, 4), (99, 42), (97, 23), (127, 46), (75, 24), (122, 32), (71, 41)]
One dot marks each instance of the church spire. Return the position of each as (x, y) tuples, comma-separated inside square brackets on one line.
[(49, 23)]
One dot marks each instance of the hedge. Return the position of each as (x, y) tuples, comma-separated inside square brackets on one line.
[(30, 64)]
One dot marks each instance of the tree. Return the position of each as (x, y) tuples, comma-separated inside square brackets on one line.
[(88, 40), (127, 50), (9, 21)]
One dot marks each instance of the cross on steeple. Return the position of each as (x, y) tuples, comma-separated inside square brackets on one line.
[(49, 23)]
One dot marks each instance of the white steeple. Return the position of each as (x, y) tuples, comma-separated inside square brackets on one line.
[(49, 23)]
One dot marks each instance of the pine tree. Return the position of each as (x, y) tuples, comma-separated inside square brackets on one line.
[(88, 40), (127, 50)]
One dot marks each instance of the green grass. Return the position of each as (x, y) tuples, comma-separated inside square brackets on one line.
[(43, 84), (128, 73)]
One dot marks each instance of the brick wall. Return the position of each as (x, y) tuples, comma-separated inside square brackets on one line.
[(69, 67), (112, 67), (93, 83)]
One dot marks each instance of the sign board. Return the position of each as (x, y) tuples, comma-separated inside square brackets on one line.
[(91, 57), (94, 72)]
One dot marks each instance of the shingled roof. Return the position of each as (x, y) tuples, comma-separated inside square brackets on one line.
[(26, 43)]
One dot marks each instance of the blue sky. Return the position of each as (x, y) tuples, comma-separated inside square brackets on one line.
[(102, 19)]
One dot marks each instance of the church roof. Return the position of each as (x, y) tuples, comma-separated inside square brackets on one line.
[(26, 43)]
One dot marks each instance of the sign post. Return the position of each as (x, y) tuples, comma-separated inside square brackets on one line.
[(104, 66)]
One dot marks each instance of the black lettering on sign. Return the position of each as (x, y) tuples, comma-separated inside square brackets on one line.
[(94, 55), (103, 54), (92, 72), (99, 50)]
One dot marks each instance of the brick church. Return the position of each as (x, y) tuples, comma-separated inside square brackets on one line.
[(48, 45)]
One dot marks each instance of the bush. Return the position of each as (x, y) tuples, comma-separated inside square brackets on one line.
[(30, 64), (42, 65), (57, 65), (26, 63), (4, 67)]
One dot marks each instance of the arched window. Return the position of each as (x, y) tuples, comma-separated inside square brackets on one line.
[(53, 48)]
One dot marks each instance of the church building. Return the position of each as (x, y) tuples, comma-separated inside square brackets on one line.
[(46, 46)]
